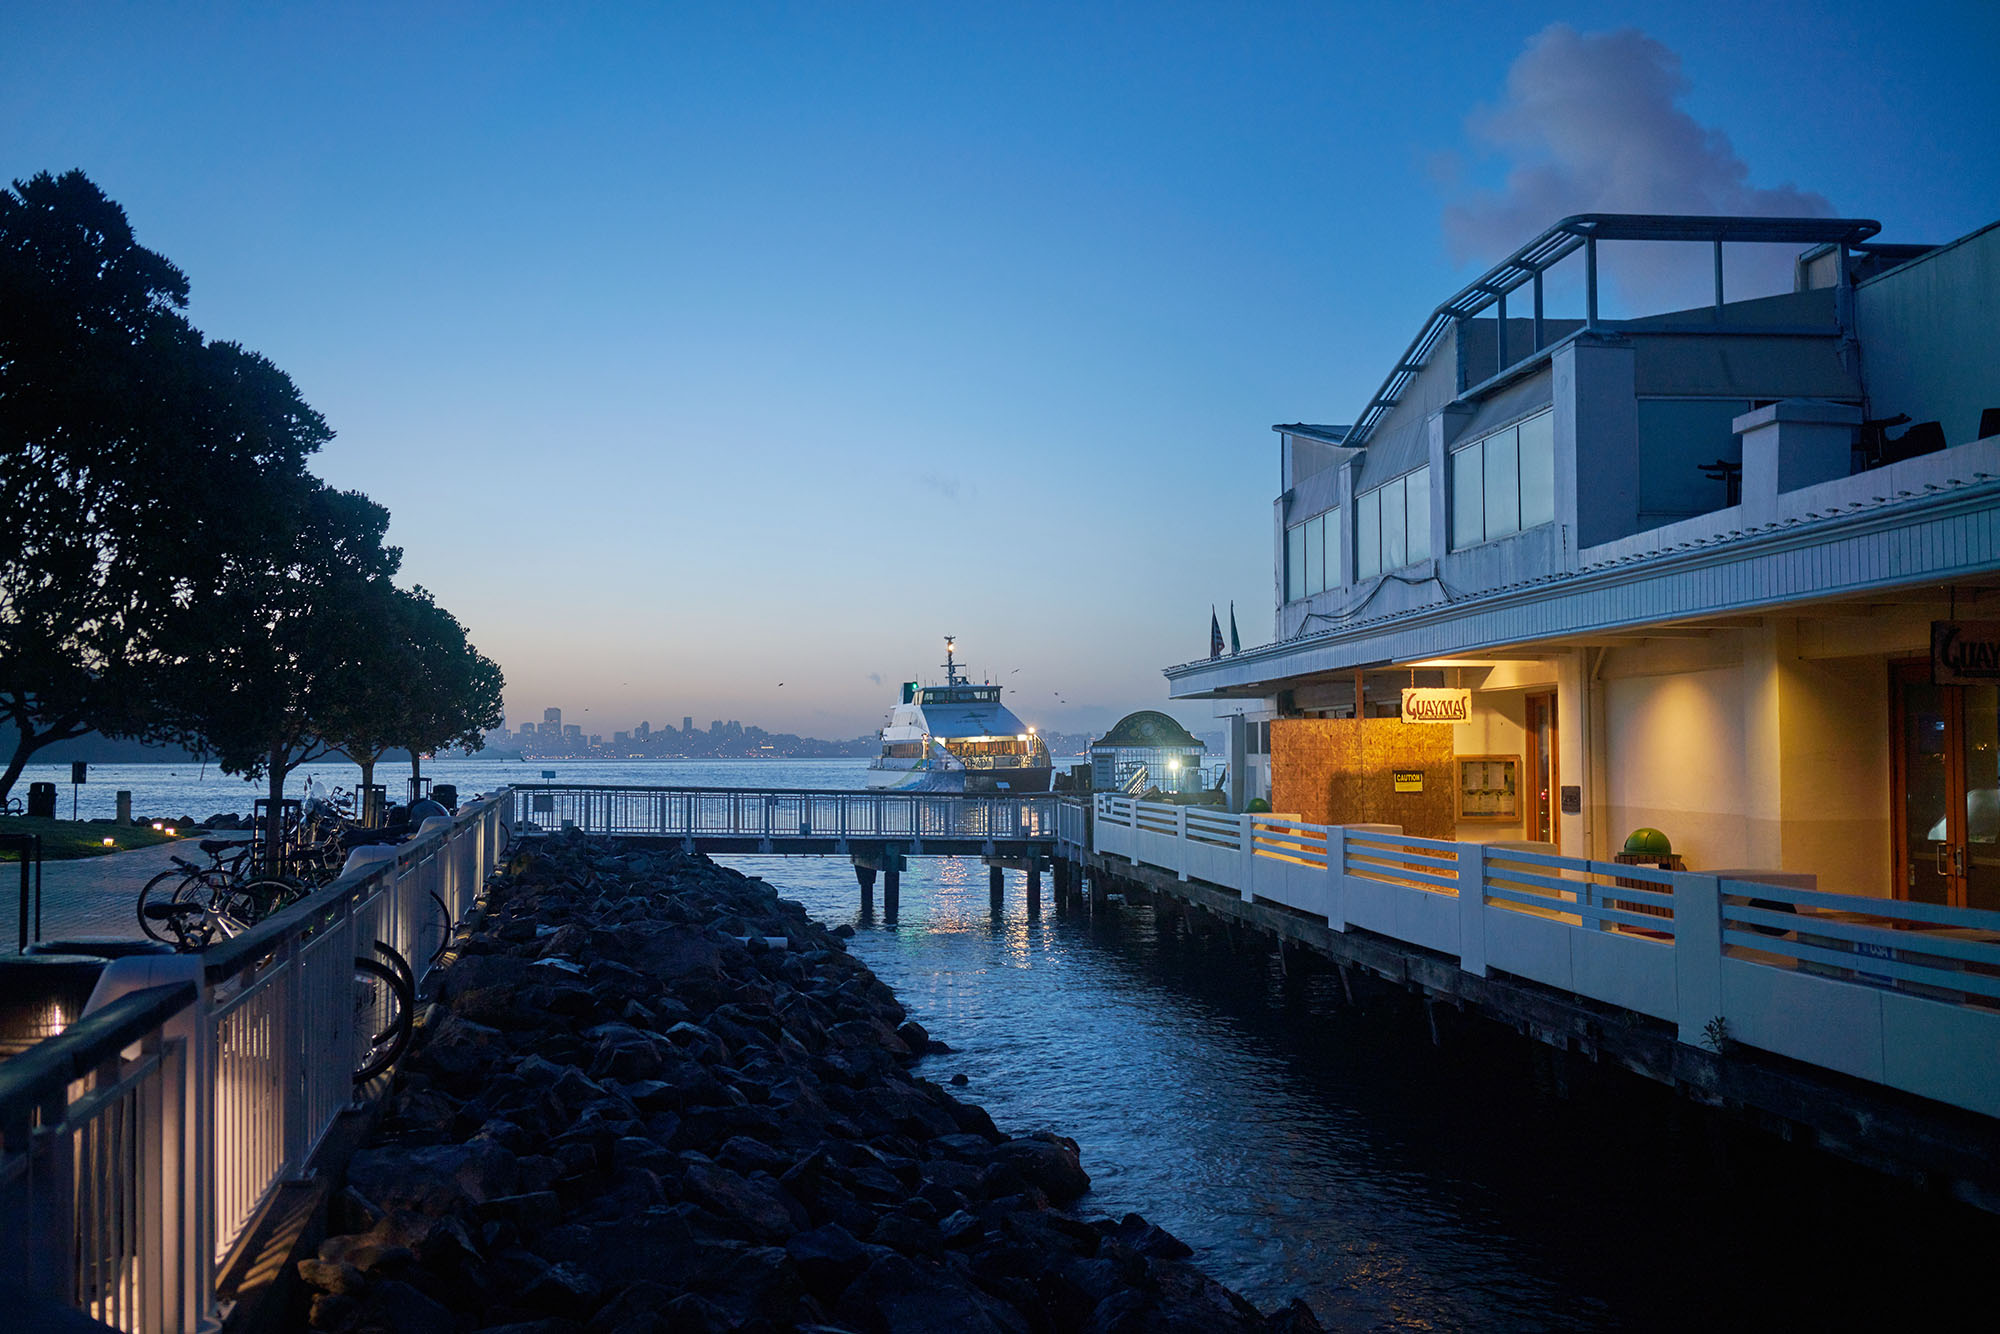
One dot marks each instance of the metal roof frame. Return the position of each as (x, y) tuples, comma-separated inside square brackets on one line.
[(1583, 231)]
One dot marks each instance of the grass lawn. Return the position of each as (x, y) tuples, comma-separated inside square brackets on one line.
[(65, 840)]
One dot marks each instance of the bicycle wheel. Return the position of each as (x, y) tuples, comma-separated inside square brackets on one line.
[(384, 1009), (445, 926), (163, 904), (401, 966)]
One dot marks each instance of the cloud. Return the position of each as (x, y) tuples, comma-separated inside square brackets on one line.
[(944, 486), (1592, 123), (875, 677)]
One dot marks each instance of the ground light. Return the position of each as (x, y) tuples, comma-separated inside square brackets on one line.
[(110, 842)]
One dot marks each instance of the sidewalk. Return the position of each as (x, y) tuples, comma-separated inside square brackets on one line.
[(91, 896)]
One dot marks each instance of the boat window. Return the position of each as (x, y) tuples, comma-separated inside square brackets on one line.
[(1001, 746), (902, 750)]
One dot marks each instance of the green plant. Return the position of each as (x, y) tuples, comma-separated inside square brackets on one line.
[(1715, 1035)]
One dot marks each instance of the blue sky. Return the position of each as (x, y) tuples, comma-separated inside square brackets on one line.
[(697, 349)]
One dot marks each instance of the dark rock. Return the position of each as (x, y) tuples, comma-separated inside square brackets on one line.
[(960, 1080), (896, 1295), (756, 1207), (1050, 1163), (333, 1276), (828, 1257), (563, 1290), (434, 1179)]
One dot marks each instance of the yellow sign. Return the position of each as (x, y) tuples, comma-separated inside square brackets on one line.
[(1436, 704), (1409, 780)]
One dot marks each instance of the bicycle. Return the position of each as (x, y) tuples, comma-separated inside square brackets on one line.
[(222, 886), (384, 989)]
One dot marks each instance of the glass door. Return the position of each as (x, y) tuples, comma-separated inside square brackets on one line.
[(1924, 785), (1978, 857), (1947, 791)]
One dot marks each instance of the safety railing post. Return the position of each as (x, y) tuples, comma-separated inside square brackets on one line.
[(1697, 955), (1472, 908), (1336, 876)]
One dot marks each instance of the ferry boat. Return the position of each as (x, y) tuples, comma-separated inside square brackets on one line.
[(958, 737)]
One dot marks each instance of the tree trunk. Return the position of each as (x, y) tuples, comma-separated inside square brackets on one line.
[(30, 742), (274, 822)]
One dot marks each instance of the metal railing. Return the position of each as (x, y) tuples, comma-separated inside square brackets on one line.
[(1903, 994), (138, 1147), (777, 815)]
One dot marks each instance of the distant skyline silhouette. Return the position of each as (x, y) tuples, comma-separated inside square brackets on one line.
[(702, 351)]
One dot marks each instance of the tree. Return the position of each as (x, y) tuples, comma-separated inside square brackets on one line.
[(133, 456), (418, 683), (280, 637)]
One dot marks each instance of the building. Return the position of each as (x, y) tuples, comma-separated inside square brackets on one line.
[(1146, 750), (687, 725), (1729, 572), (553, 716)]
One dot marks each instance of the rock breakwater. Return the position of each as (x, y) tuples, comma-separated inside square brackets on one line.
[(657, 1097)]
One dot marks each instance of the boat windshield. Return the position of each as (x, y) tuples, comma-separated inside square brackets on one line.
[(959, 695)]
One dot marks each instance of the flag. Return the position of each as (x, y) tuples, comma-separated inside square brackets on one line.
[(1235, 644), (1214, 635)]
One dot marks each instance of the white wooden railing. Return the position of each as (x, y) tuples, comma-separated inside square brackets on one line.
[(1904, 994), (138, 1147), (769, 813)]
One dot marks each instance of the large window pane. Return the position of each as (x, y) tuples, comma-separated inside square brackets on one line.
[(1295, 562), (1538, 470), (1368, 536), (1417, 502), (1333, 575), (1503, 484), (1468, 498), (1390, 497), (1315, 554)]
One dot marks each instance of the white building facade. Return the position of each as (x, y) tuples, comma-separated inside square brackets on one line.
[(1689, 565)]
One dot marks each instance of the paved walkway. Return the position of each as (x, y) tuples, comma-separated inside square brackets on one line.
[(91, 896)]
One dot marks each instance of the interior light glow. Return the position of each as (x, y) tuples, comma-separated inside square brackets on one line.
[(158, 825), (110, 842)]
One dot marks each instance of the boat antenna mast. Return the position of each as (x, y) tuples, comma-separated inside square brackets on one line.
[(950, 667)]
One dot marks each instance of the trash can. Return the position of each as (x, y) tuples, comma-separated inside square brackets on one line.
[(445, 795), (42, 801)]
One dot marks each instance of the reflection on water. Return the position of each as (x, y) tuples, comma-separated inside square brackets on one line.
[(1305, 1147)]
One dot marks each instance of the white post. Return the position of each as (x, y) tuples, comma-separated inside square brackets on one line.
[(1336, 877), (1472, 908), (1180, 841), (1697, 955)]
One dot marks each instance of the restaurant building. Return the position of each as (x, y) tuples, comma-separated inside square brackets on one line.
[(1679, 571)]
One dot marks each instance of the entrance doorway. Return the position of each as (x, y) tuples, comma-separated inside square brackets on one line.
[(1544, 818), (1946, 790)]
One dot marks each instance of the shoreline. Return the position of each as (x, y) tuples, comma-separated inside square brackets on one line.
[(656, 1094)]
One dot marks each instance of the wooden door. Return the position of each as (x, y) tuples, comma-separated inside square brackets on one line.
[(1543, 781)]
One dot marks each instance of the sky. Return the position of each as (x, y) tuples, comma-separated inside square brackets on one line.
[(718, 360)]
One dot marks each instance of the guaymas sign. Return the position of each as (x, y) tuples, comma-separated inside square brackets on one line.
[(1965, 652), (1429, 704)]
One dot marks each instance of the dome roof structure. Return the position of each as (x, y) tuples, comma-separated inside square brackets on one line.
[(1148, 730)]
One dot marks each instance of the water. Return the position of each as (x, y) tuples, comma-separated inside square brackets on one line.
[(1305, 1147)]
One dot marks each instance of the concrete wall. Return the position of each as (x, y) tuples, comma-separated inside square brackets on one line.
[(1927, 336), (1747, 755)]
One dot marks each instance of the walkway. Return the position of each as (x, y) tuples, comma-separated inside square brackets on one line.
[(91, 896)]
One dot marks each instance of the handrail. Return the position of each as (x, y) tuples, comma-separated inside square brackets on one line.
[(871, 793), (46, 1069)]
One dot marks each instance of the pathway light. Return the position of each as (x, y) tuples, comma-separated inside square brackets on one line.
[(110, 842)]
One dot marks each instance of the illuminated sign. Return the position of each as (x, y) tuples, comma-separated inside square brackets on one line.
[(1965, 652), (1429, 704)]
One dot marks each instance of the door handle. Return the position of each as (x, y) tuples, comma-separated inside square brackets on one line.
[(1958, 860), (1940, 855)]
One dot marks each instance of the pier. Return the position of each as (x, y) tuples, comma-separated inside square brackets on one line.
[(878, 831), (1865, 1026), (211, 1089)]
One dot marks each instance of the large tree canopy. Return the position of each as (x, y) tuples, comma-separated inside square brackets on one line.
[(169, 569)]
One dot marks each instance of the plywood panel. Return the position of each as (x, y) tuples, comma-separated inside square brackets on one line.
[(1340, 771)]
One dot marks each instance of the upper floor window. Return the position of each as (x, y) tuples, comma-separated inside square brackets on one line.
[(1504, 482), (1312, 555), (1392, 524)]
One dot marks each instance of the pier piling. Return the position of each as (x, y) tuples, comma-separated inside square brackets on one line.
[(865, 875), (996, 888), (1034, 892), (892, 894)]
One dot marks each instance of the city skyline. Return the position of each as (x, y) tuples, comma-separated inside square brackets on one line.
[(740, 355)]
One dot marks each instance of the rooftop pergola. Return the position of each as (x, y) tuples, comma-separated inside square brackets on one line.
[(1526, 266)]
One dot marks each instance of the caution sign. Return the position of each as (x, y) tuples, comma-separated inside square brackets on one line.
[(1409, 780)]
